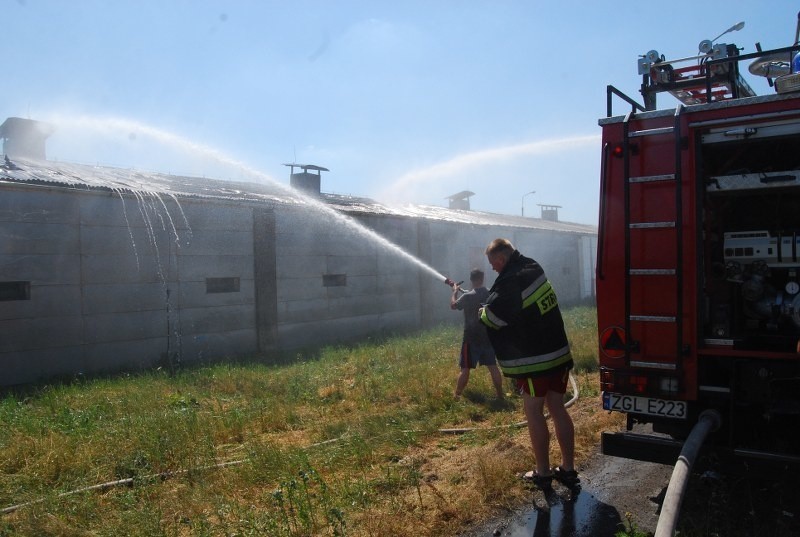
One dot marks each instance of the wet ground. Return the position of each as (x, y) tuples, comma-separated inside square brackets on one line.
[(558, 515), (624, 496), (614, 494)]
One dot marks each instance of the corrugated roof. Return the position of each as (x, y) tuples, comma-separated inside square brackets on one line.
[(432, 212), (81, 176)]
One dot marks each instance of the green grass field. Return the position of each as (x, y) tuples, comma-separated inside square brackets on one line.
[(345, 443)]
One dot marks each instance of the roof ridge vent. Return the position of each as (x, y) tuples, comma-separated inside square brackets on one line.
[(25, 138)]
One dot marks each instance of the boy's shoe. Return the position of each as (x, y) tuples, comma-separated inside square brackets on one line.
[(568, 478), (543, 482)]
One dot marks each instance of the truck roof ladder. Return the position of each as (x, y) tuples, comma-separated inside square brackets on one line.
[(650, 278)]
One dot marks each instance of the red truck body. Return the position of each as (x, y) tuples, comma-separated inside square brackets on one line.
[(698, 268)]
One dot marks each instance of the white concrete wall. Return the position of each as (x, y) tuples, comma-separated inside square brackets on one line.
[(381, 294), (459, 247), (119, 282)]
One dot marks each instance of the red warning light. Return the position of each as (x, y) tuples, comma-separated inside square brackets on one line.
[(618, 150)]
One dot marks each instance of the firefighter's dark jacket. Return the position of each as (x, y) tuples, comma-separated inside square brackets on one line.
[(524, 321)]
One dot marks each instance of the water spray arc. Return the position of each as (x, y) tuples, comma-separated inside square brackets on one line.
[(417, 180), (175, 141)]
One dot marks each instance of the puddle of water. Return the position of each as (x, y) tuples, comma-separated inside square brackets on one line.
[(559, 514)]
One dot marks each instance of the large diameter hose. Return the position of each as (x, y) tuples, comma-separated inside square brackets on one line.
[(708, 421)]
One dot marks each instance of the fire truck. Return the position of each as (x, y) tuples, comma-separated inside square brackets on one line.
[(698, 262)]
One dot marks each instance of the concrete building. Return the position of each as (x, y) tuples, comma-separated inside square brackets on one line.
[(104, 269)]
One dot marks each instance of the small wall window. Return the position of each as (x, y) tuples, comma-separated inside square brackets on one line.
[(222, 285), (15, 291), (334, 280)]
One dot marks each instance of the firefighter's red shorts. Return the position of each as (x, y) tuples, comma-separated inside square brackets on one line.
[(539, 386)]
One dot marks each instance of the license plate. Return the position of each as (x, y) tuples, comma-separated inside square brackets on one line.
[(644, 405)]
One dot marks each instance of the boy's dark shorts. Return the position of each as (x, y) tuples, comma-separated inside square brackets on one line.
[(473, 355)]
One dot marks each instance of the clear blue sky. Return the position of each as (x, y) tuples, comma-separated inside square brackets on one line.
[(407, 101)]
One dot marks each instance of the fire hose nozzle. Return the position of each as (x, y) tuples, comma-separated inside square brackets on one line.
[(451, 283)]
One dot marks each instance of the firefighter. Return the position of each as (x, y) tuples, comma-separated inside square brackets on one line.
[(527, 333)]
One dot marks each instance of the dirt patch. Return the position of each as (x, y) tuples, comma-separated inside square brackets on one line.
[(634, 489)]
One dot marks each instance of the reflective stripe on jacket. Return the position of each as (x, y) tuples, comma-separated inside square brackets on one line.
[(524, 321)]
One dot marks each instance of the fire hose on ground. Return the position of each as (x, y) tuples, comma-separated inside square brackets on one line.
[(568, 404), (708, 421)]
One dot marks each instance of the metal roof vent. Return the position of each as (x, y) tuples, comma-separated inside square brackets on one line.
[(305, 180), (550, 212), (460, 200), (25, 138)]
